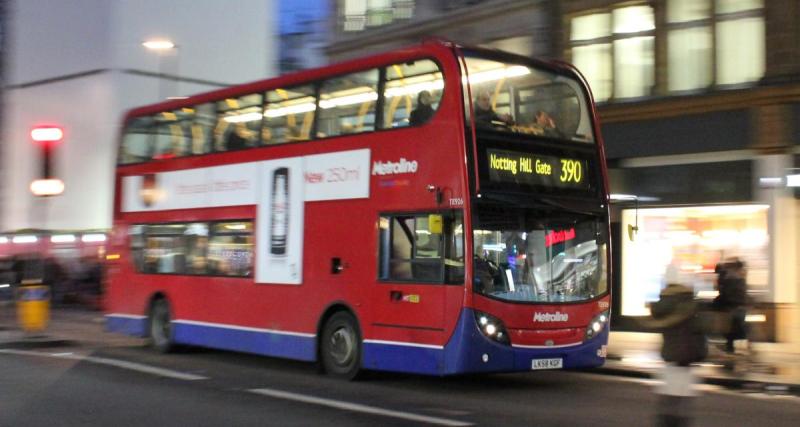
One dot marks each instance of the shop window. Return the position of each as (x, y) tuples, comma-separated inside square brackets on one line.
[(423, 247), (685, 244), (288, 115), (347, 104), (615, 51), (412, 94), (238, 123)]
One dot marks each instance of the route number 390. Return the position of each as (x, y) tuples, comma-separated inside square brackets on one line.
[(571, 171)]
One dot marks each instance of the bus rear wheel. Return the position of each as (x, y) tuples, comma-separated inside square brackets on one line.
[(161, 334), (341, 346)]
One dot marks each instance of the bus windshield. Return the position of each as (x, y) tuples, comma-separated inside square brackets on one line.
[(523, 255), (517, 98)]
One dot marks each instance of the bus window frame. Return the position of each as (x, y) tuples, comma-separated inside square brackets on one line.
[(448, 215), (210, 224)]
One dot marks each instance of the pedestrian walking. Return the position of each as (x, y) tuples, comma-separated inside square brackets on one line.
[(732, 299), (684, 342)]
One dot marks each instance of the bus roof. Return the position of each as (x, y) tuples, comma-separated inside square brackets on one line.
[(434, 47)]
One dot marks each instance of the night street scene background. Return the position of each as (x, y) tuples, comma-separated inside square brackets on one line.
[(400, 212)]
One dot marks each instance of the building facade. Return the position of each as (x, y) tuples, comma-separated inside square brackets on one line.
[(698, 101), (80, 65)]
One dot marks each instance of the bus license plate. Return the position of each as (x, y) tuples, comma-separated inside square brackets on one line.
[(547, 364)]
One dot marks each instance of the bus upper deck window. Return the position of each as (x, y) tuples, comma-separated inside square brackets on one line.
[(288, 115), (238, 123), (136, 141), (347, 104), (412, 94)]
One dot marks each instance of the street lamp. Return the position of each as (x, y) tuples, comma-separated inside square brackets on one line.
[(159, 44), (162, 47)]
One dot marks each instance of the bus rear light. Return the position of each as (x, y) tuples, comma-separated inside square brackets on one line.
[(492, 328), (596, 325)]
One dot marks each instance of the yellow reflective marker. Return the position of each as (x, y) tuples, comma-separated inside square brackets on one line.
[(435, 223)]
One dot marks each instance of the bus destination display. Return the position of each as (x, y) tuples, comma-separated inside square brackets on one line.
[(537, 170)]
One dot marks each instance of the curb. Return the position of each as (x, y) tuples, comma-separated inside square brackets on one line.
[(37, 342)]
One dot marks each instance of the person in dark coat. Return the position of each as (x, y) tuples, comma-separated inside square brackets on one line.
[(732, 298), (485, 114), (684, 342), (675, 315), (424, 110)]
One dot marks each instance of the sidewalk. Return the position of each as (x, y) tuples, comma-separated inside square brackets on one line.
[(630, 354), (73, 326), (776, 368)]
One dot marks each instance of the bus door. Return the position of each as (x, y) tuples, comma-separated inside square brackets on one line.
[(420, 256)]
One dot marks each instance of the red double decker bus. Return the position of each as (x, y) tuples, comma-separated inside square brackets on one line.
[(435, 209)]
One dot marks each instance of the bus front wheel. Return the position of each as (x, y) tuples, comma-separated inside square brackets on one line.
[(341, 346), (161, 334)]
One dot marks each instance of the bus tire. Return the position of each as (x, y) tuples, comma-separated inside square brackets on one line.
[(341, 346), (160, 327)]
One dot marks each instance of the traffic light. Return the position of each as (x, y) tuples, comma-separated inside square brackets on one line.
[(48, 137)]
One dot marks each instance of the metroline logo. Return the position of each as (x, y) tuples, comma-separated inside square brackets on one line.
[(550, 317), (393, 168)]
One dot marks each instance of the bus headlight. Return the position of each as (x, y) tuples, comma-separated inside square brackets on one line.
[(596, 325), (492, 328)]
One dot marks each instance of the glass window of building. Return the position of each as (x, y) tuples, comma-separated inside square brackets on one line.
[(741, 43), (689, 44), (702, 33), (357, 15), (238, 123), (288, 115), (616, 51), (347, 104), (412, 93)]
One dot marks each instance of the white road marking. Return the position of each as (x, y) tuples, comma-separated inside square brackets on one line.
[(131, 366), (355, 407)]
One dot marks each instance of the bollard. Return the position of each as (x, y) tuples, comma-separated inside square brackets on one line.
[(33, 306)]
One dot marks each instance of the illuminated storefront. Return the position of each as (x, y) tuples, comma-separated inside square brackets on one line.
[(684, 244)]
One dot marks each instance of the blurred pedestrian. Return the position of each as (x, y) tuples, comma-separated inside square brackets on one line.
[(732, 298), (684, 342)]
